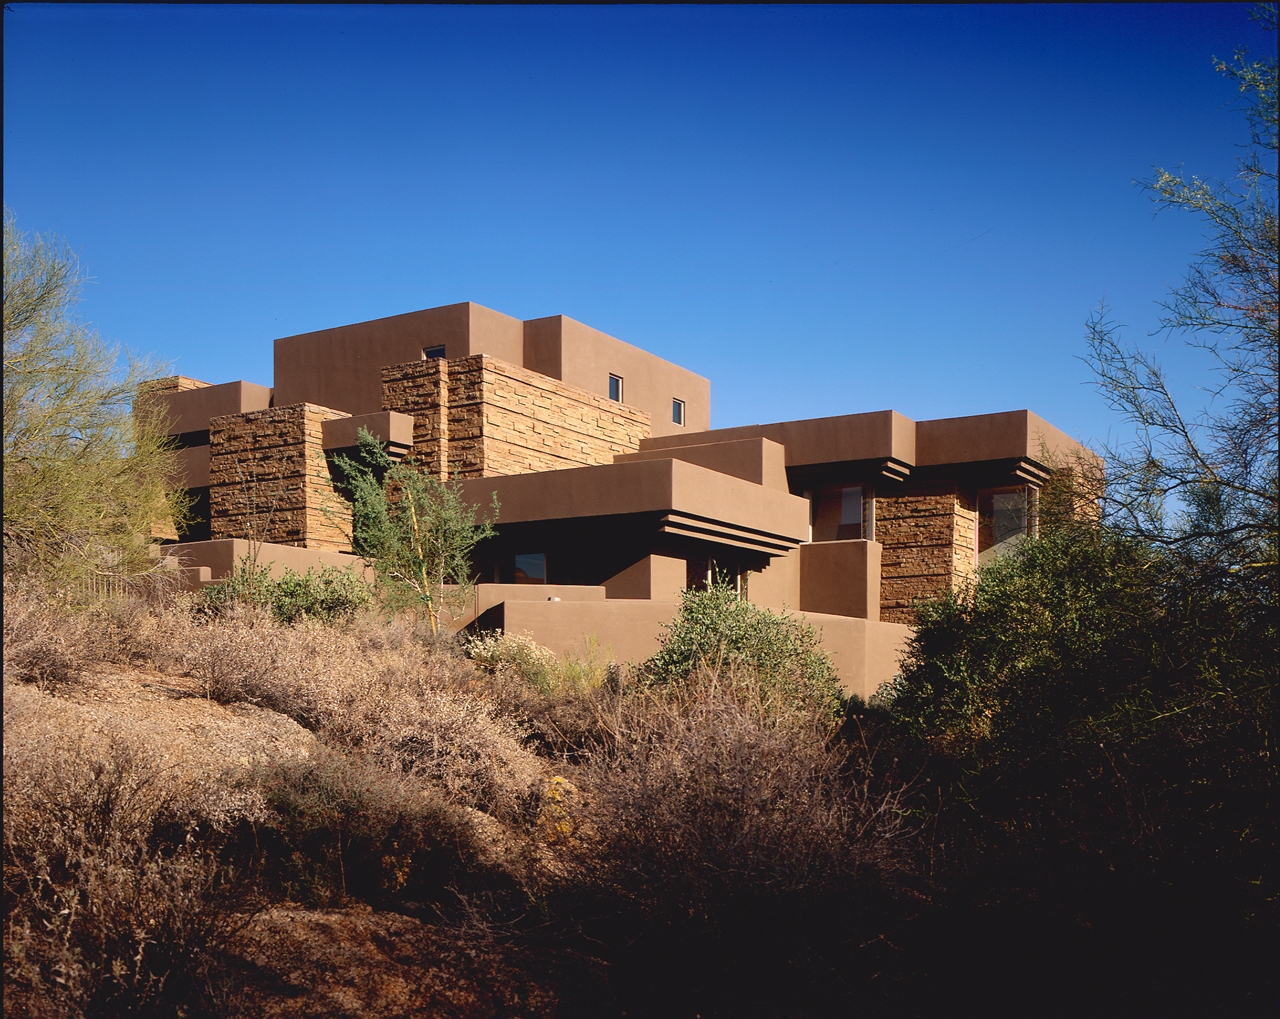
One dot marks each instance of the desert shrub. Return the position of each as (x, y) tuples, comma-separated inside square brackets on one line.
[(346, 829), (741, 853), (114, 904), (1095, 720), (519, 652), (329, 595), (716, 628)]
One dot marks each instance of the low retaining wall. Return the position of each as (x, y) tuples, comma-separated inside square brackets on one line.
[(220, 556), (865, 652)]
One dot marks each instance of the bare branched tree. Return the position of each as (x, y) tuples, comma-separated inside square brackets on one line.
[(1217, 469)]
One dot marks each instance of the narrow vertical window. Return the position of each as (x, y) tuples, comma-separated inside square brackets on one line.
[(615, 388), (850, 513), (677, 411), (1002, 521), (430, 352)]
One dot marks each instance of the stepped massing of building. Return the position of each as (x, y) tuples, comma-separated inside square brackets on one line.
[(615, 494)]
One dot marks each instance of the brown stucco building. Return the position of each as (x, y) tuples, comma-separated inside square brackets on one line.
[(615, 494)]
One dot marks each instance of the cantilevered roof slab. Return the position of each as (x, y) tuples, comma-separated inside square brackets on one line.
[(685, 499)]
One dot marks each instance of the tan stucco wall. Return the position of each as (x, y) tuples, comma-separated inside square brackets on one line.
[(644, 487), (581, 356), (841, 578), (219, 557), (879, 435), (269, 480), (396, 430), (193, 467), (655, 577), (628, 631), (866, 653), (758, 460), (777, 586), (341, 367), (1015, 434), (189, 408)]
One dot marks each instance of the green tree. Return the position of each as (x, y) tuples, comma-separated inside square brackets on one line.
[(84, 478), (1220, 466), (417, 532)]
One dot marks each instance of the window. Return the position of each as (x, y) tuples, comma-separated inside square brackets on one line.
[(430, 352), (850, 513), (531, 568), (677, 411), (615, 388), (1002, 520)]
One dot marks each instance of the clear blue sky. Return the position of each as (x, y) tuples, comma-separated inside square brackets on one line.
[(824, 210)]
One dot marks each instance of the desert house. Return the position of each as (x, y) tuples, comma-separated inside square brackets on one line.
[(615, 494)]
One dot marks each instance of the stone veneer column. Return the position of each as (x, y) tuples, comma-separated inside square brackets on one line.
[(269, 479), (421, 389), (478, 417), (929, 540)]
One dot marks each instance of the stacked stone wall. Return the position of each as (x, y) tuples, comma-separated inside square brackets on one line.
[(479, 417), (420, 389), (171, 384), (929, 540), (269, 480)]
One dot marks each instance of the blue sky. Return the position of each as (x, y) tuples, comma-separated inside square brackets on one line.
[(824, 210)]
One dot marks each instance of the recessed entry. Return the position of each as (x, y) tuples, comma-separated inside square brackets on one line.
[(615, 388), (430, 352)]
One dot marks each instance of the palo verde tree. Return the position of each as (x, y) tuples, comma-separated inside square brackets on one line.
[(84, 477), (416, 531), (1220, 466)]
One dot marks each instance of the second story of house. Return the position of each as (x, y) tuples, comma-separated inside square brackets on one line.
[(341, 367), (602, 458)]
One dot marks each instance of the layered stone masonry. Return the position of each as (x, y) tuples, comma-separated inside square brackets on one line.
[(269, 480), (421, 389), (929, 544), (480, 417), (171, 384)]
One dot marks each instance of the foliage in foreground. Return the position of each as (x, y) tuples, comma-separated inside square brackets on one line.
[(716, 629), (415, 530), (329, 594), (84, 478), (1096, 724)]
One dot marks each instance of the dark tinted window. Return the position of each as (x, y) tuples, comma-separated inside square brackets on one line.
[(615, 388), (531, 568), (428, 352)]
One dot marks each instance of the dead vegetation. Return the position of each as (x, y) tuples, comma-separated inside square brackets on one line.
[(226, 816)]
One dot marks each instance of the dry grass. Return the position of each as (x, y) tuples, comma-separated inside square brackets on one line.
[(114, 903), (365, 762)]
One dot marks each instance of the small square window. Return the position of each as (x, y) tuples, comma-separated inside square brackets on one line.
[(531, 568), (677, 411), (615, 388), (430, 352)]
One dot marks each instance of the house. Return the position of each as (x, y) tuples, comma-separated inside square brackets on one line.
[(615, 493)]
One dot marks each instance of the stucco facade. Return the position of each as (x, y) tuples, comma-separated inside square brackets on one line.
[(615, 494)]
